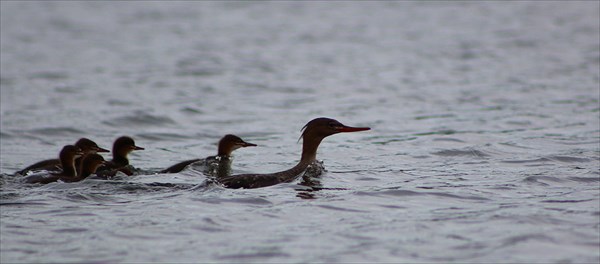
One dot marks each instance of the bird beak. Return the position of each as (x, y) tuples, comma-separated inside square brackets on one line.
[(351, 129), (246, 144), (99, 149), (137, 148)]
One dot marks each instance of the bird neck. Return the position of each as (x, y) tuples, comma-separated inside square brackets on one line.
[(224, 151), (120, 158), (68, 167), (309, 149)]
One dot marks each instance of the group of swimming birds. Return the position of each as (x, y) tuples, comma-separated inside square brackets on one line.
[(79, 161)]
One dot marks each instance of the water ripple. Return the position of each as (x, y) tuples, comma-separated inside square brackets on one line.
[(567, 201), (139, 119), (336, 208), (56, 131), (255, 253), (162, 136), (467, 152), (585, 179)]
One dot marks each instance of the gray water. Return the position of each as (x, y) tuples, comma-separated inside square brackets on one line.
[(485, 140)]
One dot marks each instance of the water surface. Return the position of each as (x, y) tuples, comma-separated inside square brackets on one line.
[(484, 144)]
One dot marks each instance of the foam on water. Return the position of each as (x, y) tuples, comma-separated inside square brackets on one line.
[(484, 144)]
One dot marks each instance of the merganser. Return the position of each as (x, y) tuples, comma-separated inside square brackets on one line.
[(67, 160), (314, 132), (221, 163), (87, 146), (89, 165), (119, 162)]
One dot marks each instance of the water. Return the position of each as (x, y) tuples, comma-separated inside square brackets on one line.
[(484, 144)]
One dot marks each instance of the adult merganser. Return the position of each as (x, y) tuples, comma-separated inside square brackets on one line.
[(314, 132), (87, 146), (119, 162), (221, 163), (67, 160)]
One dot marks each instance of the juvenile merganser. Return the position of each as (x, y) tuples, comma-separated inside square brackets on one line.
[(67, 157), (314, 132), (87, 146), (89, 165), (221, 163), (119, 162)]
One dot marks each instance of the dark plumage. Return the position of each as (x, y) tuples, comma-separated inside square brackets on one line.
[(86, 145), (227, 145), (67, 159), (121, 148), (314, 132)]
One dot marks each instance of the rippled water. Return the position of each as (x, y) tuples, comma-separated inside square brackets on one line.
[(485, 140)]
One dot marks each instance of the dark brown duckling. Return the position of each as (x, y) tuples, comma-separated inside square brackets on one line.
[(222, 160), (67, 157), (314, 132), (121, 148), (89, 165), (86, 145)]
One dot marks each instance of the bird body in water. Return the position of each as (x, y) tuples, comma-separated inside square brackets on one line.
[(219, 165), (89, 164), (67, 157), (314, 132), (121, 148), (86, 145)]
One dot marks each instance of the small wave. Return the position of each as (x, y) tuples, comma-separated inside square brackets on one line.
[(21, 203), (456, 152), (140, 119), (252, 200), (441, 132), (199, 66), (71, 230), (367, 179), (398, 192), (5, 136), (56, 131), (389, 192), (49, 75), (209, 225), (566, 201), (119, 102), (245, 257), (162, 136), (585, 179), (537, 179), (441, 194), (89, 197), (434, 116), (335, 208), (121, 186), (526, 161), (249, 200), (513, 240), (514, 145), (568, 159), (449, 140), (191, 110), (208, 229)]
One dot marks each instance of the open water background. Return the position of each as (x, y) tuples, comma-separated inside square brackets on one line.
[(484, 144)]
